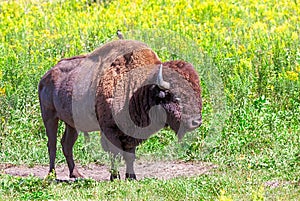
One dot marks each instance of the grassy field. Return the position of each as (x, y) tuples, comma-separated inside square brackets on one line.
[(247, 54)]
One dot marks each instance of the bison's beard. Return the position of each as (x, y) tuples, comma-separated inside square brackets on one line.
[(174, 118)]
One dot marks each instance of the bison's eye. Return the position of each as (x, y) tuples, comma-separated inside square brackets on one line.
[(164, 95), (161, 94)]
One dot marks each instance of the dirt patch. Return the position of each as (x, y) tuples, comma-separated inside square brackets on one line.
[(158, 170)]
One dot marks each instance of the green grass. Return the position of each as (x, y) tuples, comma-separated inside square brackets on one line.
[(246, 53), (220, 185)]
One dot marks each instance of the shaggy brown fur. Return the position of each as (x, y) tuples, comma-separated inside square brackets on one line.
[(187, 71), (123, 65)]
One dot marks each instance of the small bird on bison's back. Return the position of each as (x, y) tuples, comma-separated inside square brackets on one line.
[(120, 35)]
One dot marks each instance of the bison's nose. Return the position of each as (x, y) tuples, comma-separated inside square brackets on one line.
[(196, 123)]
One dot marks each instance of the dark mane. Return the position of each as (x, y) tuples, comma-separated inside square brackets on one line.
[(188, 72)]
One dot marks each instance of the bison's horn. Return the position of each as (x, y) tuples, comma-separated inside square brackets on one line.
[(160, 81)]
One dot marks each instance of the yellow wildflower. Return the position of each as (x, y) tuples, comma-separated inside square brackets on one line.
[(270, 87), (291, 75), (294, 36), (2, 91), (259, 26), (246, 64), (241, 49), (224, 197), (282, 28)]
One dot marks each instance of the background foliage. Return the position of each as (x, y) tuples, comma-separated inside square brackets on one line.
[(253, 46)]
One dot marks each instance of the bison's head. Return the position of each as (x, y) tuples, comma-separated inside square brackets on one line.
[(177, 95), (180, 96), (151, 97)]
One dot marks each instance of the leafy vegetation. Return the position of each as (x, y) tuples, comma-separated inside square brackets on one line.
[(247, 54)]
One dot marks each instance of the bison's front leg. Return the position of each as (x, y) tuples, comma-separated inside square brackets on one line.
[(112, 145), (129, 157), (114, 171), (67, 141)]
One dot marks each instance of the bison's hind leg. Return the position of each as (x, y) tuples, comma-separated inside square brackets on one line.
[(68, 140), (51, 125)]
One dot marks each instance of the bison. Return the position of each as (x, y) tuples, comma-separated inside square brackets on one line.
[(123, 90)]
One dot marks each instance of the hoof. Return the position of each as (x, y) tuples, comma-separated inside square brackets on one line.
[(51, 175), (76, 174), (130, 176), (115, 176), (62, 181)]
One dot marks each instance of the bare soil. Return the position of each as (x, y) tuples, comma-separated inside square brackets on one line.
[(159, 170)]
